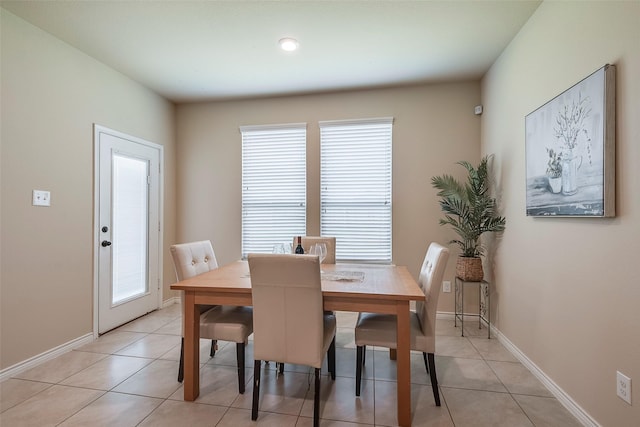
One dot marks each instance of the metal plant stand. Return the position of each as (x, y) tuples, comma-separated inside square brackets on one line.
[(484, 304)]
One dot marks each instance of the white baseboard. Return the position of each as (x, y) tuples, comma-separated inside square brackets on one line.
[(34, 361), (170, 301), (44, 357), (564, 399), (445, 315)]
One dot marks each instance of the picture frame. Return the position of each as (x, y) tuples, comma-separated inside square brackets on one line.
[(570, 151)]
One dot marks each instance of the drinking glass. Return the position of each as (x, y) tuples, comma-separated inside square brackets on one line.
[(321, 251), (278, 248)]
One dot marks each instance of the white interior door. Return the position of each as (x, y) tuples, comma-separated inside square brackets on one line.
[(128, 227)]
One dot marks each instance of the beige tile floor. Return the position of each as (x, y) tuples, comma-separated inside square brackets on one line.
[(128, 378)]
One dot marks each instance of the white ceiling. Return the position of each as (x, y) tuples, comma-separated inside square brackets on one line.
[(212, 50)]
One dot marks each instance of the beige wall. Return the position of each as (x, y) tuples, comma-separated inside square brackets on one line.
[(51, 96), (434, 127), (567, 290)]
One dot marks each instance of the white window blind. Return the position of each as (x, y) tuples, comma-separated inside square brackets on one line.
[(274, 182), (355, 188)]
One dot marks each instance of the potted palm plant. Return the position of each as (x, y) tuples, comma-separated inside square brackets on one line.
[(470, 211), (554, 170)]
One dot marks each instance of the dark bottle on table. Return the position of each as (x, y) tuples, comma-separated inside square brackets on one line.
[(299, 249)]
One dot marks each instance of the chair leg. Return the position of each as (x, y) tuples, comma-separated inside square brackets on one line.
[(240, 361), (364, 353), (359, 363), (181, 365), (281, 368), (426, 365), (434, 379), (331, 358), (256, 390), (316, 401), (214, 345)]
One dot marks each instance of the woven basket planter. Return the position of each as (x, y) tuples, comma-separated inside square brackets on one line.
[(469, 269)]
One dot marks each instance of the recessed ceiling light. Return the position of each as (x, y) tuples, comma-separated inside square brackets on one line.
[(288, 44)]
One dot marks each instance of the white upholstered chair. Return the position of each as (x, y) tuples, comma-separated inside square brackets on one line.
[(219, 322), (288, 321), (308, 241), (380, 329)]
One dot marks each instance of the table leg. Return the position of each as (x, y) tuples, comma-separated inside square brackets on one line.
[(462, 305), (191, 348), (403, 364)]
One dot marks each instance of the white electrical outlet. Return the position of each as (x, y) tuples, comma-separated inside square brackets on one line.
[(623, 386), (446, 286), (41, 198)]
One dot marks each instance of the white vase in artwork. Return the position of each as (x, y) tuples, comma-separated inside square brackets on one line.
[(570, 166)]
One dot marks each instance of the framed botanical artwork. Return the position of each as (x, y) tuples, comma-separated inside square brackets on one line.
[(570, 150)]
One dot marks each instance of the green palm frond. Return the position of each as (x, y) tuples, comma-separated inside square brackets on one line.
[(448, 186), (469, 210)]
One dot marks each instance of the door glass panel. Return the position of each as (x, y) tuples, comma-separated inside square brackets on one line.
[(130, 206)]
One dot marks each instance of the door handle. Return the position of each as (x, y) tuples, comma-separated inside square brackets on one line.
[(106, 243)]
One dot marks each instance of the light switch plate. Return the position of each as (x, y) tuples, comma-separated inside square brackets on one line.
[(41, 198)]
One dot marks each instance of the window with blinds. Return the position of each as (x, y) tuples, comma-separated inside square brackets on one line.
[(274, 182), (355, 188)]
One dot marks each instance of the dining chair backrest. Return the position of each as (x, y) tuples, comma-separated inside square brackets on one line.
[(307, 241), (191, 259), (287, 308), (430, 280)]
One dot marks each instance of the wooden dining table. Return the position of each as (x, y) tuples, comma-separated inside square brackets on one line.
[(345, 287)]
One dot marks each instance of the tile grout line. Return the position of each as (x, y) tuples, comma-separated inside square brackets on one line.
[(80, 409), (505, 386), (374, 380), (154, 360), (125, 379)]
